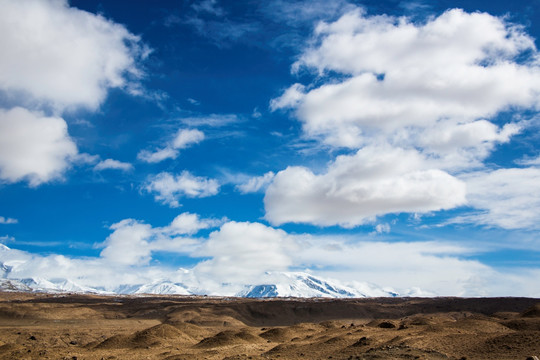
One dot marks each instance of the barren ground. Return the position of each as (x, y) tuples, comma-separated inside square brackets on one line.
[(45, 326)]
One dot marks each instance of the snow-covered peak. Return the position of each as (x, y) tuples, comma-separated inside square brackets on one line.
[(163, 288), (273, 284), (299, 284), (56, 285)]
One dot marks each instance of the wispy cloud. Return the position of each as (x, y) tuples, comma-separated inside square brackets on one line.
[(256, 183), (506, 198), (169, 188), (183, 139), (212, 120), (5, 221), (111, 164)]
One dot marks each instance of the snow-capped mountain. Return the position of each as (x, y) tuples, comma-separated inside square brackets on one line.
[(57, 286), (298, 284), (157, 287), (13, 285), (271, 284), (284, 284)]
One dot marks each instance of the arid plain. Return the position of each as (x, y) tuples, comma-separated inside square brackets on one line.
[(69, 326)]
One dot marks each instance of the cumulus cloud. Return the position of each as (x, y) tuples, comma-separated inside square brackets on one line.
[(168, 188), (506, 198), (132, 242), (113, 165), (128, 244), (5, 220), (243, 252), (406, 75), (256, 183), (431, 88), (189, 224), (63, 56), (183, 139), (461, 146), (56, 58), (33, 147), (357, 188)]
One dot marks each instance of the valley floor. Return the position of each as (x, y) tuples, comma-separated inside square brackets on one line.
[(47, 326)]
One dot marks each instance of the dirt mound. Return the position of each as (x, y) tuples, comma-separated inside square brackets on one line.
[(384, 324), (330, 324), (228, 337), (146, 338), (533, 311), (279, 349), (363, 341), (115, 342), (278, 334), (247, 335), (192, 330), (158, 333), (335, 340)]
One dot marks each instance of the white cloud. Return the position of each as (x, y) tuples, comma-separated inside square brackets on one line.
[(128, 244), (187, 137), (158, 155), (528, 161), (4, 220), (212, 120), (290, 98), (256, 183), (242, 252), (113, 164), (189, 224), (507, 198), (183, 139), (427, 88), (133, 242), (85, 158), (63, 56), (357, 188), (6, 238), (168, 188), (404, 78), (461, 146), (33, 147), (56, 58), (382, 228), (400, 265)]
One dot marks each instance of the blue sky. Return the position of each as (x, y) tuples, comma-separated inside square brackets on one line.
[(390, 142)]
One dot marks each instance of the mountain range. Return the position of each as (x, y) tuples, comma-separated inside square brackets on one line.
[(272, 284)]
